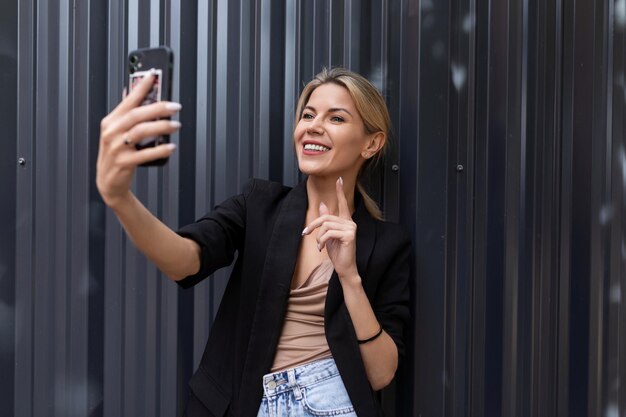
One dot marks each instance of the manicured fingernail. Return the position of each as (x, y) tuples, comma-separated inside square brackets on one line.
[(305, 231), (171, 146), (173, 106), (340, 180), (175, 124)]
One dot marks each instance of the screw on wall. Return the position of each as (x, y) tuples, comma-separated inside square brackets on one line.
[(395, 168), (21, 162), (459, 168)]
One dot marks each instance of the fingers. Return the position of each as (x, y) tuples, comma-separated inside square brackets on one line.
[(136, 95), (317, 222), (118, 149), (322, 240), (342, 231), (146, 155), (331, 227), (144, 130), (325, 218), (325, 215), (112, 126), (344, 210), (324, 212), (152, 129)]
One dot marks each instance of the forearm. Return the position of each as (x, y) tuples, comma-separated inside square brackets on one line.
[(380, 356), (175, 256)]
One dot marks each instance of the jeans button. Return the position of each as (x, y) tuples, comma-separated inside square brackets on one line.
[(271, 385)]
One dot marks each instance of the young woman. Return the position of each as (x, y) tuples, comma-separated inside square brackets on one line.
[(312, 319)]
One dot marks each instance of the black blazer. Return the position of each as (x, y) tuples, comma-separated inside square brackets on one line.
[(263, 227)]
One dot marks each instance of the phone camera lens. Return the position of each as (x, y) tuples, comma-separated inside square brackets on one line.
[(134, 59)]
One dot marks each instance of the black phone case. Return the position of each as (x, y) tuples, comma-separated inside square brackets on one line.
[(161, 59)]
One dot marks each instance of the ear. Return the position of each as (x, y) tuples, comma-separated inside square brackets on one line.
[(375, 143)]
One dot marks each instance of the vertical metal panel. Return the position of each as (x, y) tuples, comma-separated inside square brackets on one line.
[(416, 386), (113, 387), (425, 172), (189, 93), (291, 87), (614, 347), (204, 150), (9, 168), (462, 114), (24, 219), (543, 177), (507, 169), (543, 122), (600, 204)]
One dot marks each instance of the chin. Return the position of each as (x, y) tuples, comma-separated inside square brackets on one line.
[(309, 172), (307, 169)]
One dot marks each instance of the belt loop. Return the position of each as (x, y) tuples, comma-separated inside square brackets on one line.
[(291, 375), (266, 380)]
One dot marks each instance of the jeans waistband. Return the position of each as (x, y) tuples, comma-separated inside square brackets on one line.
[(299, 377)]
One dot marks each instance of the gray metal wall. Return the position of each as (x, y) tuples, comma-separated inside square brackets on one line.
[(508, 169)]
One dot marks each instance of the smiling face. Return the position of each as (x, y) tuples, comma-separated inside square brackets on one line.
[(330, 137)]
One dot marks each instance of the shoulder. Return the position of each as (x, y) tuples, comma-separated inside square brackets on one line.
[(392, 235), (263, 197), (257, 188), (391, 229)]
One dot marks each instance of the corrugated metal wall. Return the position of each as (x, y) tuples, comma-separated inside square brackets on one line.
[(509, 169)]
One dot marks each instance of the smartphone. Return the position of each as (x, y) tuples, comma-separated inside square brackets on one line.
[(140, 63)]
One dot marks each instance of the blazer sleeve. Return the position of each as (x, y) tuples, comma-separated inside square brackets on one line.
[(391, 303), (219, 233)]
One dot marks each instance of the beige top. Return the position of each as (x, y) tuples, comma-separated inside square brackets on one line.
[(303, 339)]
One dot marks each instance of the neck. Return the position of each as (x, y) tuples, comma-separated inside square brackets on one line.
[(323, 190)]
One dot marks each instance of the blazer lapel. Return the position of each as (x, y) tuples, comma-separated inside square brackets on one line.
[(280, 261)]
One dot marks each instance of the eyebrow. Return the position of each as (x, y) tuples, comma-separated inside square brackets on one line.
[(332, 110)]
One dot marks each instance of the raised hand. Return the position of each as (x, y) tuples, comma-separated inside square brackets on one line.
[(337, 234), (121, 129)]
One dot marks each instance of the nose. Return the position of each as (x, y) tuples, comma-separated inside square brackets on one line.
[(315, 127)]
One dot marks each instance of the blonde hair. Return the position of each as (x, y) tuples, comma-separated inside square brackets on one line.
[(371, 107)]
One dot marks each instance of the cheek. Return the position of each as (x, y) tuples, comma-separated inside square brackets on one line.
[(350, 142), (297, 133)]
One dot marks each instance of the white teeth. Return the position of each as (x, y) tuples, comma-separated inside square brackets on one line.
[(313, 147)]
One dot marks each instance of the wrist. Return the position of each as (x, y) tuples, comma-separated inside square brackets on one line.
[(371, 338), (351, 280), (117, 202)]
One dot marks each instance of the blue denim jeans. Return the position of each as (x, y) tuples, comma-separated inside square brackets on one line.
[(313, 389)]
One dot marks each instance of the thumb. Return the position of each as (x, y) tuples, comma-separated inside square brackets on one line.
[(323, 209)]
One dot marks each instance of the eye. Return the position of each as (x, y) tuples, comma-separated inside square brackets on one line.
[(307, 116), (337, 119)]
